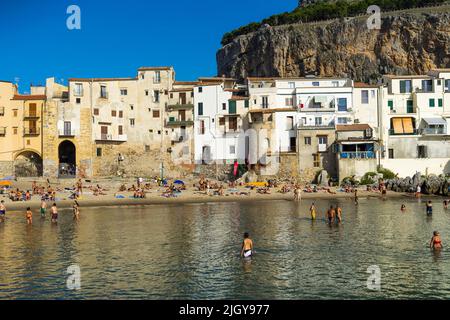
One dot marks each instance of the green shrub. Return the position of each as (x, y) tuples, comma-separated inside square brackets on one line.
[(387, 174), (326, 10), (350, 181), (368, 178)]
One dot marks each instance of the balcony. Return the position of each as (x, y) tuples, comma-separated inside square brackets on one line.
[(2, 131), (327, 126), (433, 131), (179, 123), (322, 147), (104, 95), (110, 137), (67, 133), (31, 114), (358, 155), (179, 106), (27, 132), (393, 133)]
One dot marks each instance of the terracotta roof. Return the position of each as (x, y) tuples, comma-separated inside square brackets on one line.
[(5, 81), (206, 84), (185, 83), (181, 90), (239, 98), (353, 127), (29, 97), (99, 79), (394, 76), (154, 68), (365, 85)]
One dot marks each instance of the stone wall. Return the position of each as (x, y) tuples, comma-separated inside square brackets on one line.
[(6, 168)]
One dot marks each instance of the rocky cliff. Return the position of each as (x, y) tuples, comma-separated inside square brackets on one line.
[(409, 42)]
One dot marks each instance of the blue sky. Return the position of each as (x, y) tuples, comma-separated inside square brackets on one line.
[(117, 37)]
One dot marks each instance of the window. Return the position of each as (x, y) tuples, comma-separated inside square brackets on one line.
[(15, 130), (265, 102), (431, 103), (316, 160), (232, 123), (132, 122), (391, 153), (335, 83), (78, 100), (342, 120), (221, 121), (147, 148), (289, 102), (157, 78), (372, 92), (120, 114), (159, 132), (365, 96), (232, 107), (405, 86), (103, 93), (447, 85), (113, 113), (308, 141), (289, 123), (99, 152), (171, 96), (155, 113), (421, 152), (131, 107), (200, 89), (96, 112), (120, 130), (200, 108), (202, 127), (291, 85), (28, 142), (323, 140), (146, 92), (142, 76), (123, 92), (78, 90), (342, 104), (246, 104), (318, 121), (15, 113), (427, 85), (439, 82), (224, 106), (440, 103), (391, 104), (410, 106), (232, 149), (316, 84), (156, 96)]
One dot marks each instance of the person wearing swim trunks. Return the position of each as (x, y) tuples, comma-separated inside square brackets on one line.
[(2, 211), (338, 214), (313, 211), (330, 214), (29, 216), (247, 246), (429, 208), (403, 208), (436, 242), (54, 211), (43, 209), (76, 211), (356, 197)]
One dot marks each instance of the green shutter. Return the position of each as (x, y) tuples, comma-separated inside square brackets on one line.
[(247, 104), (431, 103), (409, 106), (200, 109), (402, 86), (232, 107), (391, 104), (171, 119), (440, 103)]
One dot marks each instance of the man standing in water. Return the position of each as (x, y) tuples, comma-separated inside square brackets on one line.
[(356, 197), (247, 246), (338, 214), (429, 208), (330, 214), (54, 211), (43, 209), (2, 211)]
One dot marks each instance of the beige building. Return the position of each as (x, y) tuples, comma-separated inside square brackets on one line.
[(20, 132)]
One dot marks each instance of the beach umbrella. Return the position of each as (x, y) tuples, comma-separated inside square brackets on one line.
[(179, 182), (5, 183)]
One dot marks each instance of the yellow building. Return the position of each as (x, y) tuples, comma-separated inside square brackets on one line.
[(20, 132)]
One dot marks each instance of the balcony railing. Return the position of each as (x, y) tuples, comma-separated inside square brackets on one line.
[(67, 133), (110, 137), (2, 131), (179, 123), (358, 155), (179, 106), (433, 131), (393, 133), (31, 131), (29, 114)]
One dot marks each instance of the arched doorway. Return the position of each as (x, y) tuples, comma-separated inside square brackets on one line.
[(28, 164), (67, 159)]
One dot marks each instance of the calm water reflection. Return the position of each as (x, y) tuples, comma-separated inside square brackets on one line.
[(192, 252)]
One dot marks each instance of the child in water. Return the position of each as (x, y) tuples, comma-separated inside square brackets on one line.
[(445, 204), (312, 210), (338, 214), (247, 246), (403, 208), (54, 211), (29, 216), (436, 242), (429, 208)]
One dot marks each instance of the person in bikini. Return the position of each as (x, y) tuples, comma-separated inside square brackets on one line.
[(54, 211), (247, 246), (436, 242), (29, 216)]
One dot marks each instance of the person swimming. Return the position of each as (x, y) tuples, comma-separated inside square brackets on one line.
[(2, 211), (429, 208), (247, 246), (446, 204), (436, 242), (403, 208), (312, 211)]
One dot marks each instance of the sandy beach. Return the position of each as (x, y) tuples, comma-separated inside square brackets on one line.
[(113, 197)]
